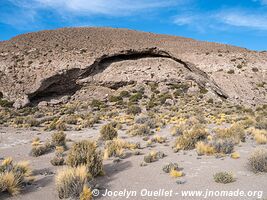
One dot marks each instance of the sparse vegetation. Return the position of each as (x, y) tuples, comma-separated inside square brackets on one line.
[(133, 110)]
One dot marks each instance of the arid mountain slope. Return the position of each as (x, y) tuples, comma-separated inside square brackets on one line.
[(66, 61)]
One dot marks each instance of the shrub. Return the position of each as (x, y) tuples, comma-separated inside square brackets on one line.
[(38, 148), (133, 110), (116, 147), (168, 167), (204, 149), (258, 161), (58, 158), (115, 98), (225, 146), (71, 181), (86, 153), (146, 120), (260, 136), (188, 140), (236, 132), (223, 177), (56, 124), (136, 97), (231, 71), (124, 93), (154, 156), (96, 104), (108, 132), (261, 123), (159, 139), (5, 103), (71, 119), (141, 130), (59, 139), (178, 129), (13, 176)]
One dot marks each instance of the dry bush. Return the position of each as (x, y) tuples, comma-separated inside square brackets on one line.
[(117, 147), (86, 193), (178, 130), (261, 122), (108, 132), (223, 177), (59, 139), (257, 161), (39, 148), (71, 181), (204, 149), (159, 139), (141, 130), (146, 120), (260, 136), (188, 140), (225, 146), (154, 156), (236, 132), (56, 124), (86, 153), (14, 176), (168, 167), (58, 159)]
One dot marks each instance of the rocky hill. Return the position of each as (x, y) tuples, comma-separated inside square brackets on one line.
[(82, 63)]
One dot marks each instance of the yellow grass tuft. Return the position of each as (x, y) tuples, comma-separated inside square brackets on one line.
[(86, 193), (260, 136), (204, 149), (235, 155), (176, 174)]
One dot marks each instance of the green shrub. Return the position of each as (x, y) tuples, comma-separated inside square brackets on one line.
[(258, 161), (5, 103), (136, 97), (108, 132), (96, 104), (115, 98), (124, 93), (133, 110), (86, 153), (223, 177)]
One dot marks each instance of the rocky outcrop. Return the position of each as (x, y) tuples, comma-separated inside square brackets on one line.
[(36, 65)]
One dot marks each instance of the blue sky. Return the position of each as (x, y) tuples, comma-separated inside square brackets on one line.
[(237, 22)]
